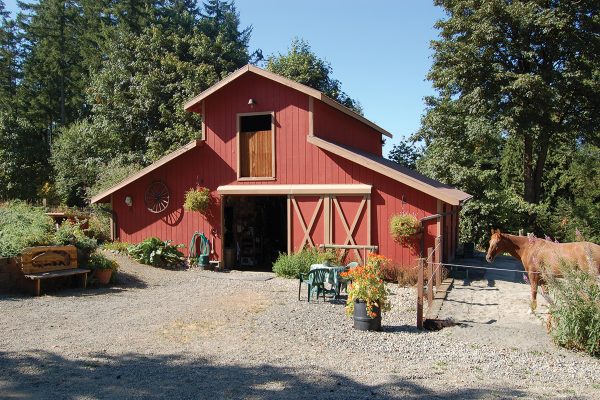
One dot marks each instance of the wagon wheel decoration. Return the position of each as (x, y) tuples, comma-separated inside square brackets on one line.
[(156, 197)]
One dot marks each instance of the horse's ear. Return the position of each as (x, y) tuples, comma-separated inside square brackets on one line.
[(493, 231)]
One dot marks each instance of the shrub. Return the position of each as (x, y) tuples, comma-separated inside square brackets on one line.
[(23, 226), (403, 227), (291, 265), (197, 200), (402, 274), (99, 224), (575, 315), (117, 247), (156, 252), (71, 233), (99, 261)]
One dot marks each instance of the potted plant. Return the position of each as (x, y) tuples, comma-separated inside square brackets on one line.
[(367, 294), (404, 228), (102, 267), (197, 200)]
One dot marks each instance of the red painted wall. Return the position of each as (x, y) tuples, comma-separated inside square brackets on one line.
[(297, 162), (338, 127)]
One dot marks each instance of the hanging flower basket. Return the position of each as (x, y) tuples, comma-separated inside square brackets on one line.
[(197, 200), (405, 229)]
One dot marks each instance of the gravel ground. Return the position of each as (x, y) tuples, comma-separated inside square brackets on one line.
[(192, 334)]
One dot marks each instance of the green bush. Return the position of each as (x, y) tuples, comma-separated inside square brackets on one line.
[(156, 252), (117, 247), (99, 261), (575, 315), (290, 265), (71, 233), (99, 224), (23, 226)]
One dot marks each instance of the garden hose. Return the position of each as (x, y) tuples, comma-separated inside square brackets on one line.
[(204, 248)]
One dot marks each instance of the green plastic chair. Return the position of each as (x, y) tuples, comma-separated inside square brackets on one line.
[(315, 280), (343, 282)]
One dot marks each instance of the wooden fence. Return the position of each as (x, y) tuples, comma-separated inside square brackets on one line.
[(431, 282)]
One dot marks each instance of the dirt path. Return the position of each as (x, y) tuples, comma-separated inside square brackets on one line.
[(190, 334)]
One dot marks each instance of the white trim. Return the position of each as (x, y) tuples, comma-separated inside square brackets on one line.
[(307, 190), (411, 178)]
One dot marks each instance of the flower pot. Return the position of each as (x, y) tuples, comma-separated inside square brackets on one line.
[(362, 320), (103, 275)]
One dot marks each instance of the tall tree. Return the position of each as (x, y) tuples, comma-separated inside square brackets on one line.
[(528, 71), (9, 59), (221, 22), (138, 93), (302, 65), (528, 66)]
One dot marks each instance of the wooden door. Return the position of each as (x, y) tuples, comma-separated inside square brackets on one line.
[(256, 154)]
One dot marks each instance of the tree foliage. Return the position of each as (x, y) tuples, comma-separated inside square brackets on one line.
[(515, 81), (406, 153), (302, 65)]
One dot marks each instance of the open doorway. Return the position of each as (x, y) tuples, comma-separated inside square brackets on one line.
[(255, 231)]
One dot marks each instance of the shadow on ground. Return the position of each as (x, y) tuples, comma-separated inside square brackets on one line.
[(48, 375)]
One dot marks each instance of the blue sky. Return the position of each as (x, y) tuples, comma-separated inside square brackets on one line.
[(379, 50)]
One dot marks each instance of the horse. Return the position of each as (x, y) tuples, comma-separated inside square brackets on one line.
[(536, 253)]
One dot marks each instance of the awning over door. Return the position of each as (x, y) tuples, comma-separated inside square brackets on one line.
[(265, 190)]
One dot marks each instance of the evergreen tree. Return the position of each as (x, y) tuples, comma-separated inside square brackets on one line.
[(54, 77), (406, 154), (221, 22), (302, 65), (23, 158), (9, 60), (139, 92)]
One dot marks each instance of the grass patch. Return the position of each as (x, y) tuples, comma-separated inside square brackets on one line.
[(575, 315)]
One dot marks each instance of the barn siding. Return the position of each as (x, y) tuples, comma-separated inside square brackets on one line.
[(297, 162)]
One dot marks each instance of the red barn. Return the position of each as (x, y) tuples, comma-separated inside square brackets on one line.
[(287, 167)]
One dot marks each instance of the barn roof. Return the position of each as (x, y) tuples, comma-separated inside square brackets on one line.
[(194, 104), (171, 156), (395, 171)]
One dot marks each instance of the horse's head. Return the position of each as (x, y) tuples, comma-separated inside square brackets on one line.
[(496, 245)]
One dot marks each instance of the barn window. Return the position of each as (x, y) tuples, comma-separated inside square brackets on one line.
[(256, 139)]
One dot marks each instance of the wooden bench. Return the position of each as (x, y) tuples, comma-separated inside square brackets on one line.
[(48, 262)]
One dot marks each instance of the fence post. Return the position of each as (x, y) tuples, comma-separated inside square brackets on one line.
[(438, 260), (421, 272), (429, 276)]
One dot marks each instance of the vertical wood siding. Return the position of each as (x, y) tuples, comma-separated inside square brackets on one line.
[(297, 162)]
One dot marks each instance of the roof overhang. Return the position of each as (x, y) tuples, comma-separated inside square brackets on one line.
[(104, 197), (394, 171), (261, 190), (194, 104)]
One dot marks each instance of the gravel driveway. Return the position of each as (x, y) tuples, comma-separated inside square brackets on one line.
[(192, 334)]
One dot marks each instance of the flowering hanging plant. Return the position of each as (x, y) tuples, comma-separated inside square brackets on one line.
[(403, 227), (367, 285), (197, 200)]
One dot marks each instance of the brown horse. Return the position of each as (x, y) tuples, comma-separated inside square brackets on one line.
[(535, 253)]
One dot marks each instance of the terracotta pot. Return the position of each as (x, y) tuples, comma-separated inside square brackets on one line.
[(362, 320), (103, 275)]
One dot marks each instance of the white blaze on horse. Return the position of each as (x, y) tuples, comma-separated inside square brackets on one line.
[(537, 254)]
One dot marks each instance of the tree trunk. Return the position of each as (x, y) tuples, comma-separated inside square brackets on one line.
[(529, 192)]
